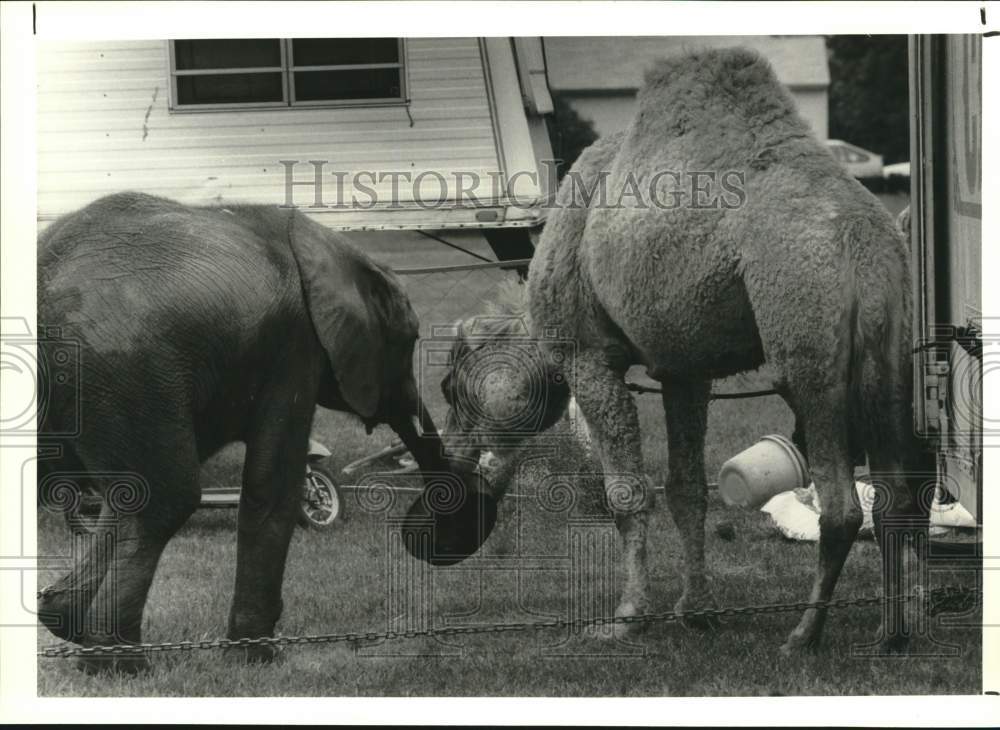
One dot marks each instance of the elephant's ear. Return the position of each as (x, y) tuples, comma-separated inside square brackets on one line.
[(459, 349), (336, 285)]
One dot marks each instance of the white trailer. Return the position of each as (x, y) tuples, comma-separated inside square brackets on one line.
[(445, 133), (946, 238)]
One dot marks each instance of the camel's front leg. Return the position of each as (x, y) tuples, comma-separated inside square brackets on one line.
[(685, 405), (610, 411)]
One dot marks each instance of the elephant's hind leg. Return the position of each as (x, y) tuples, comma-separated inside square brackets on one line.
[(685, 405), (614, 424), (161, 495), (63, 606)]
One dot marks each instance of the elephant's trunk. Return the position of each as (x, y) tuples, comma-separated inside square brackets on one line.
[(420, 436), (454, 515), (456, 439)]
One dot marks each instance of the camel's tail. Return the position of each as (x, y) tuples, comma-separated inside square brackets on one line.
[(880, 375)]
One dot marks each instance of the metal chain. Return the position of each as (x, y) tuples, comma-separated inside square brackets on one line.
[(941, 599)]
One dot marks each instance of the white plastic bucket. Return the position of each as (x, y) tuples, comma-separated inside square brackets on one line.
[(771, 466)]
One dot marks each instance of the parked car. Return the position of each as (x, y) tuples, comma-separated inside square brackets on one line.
[(900, 168), (857, 161)]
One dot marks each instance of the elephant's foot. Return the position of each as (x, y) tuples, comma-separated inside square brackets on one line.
[(128, 664), (254, 653), (695, 600), (59, 614), (252, 625)]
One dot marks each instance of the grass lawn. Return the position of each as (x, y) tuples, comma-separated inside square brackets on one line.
[(338, 581)]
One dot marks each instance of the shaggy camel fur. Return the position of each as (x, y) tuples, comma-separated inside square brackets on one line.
[(498, 389), (805, 271), (496, 401)]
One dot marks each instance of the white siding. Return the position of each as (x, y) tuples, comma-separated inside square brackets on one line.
[(813, 106), (104, 125), (608, 112)]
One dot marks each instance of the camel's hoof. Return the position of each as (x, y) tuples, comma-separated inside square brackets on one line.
[(254, 653), (125, 664), (604, 632), (622, 630), (693, 603), (798, 644), (892, 644), (631, 608)]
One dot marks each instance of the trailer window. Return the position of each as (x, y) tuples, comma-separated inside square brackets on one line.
[(339, 69), (266, 73)]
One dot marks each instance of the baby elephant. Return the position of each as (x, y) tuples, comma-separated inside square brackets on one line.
[(197, 327)]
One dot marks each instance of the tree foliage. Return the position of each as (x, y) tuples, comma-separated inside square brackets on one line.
[(569, 133), (869, 94)]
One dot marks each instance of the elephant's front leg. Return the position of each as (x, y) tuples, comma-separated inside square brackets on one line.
[(273, 476), (685, 406), (600, 391)]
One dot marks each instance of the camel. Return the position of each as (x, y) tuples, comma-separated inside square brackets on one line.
[(796, 266)]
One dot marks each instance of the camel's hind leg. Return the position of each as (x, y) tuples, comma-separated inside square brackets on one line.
[(904, 492), (826, 430), (614, 424), (805, 312), (685, 405)]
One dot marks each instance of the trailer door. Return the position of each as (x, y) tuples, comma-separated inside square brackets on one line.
[(946, 205)]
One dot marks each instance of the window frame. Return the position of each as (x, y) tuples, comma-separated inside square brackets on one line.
[(287, 71)]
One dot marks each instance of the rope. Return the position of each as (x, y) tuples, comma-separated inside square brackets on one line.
[(948, 598), (508, 264), (637, 388), (454, 246)]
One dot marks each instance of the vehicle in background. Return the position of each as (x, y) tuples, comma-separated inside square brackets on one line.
[(900, 168), (322, 504), (857, 161)]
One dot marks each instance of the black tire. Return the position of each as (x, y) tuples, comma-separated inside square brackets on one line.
[(322, 505)]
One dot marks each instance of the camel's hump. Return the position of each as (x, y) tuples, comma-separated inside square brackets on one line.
[(735, 77), (716, 105), (708, 67)]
